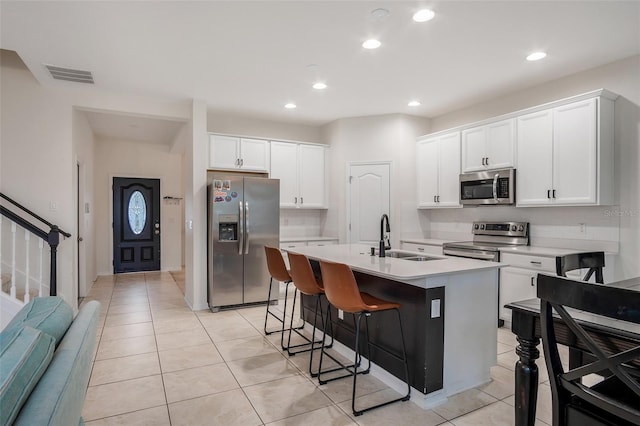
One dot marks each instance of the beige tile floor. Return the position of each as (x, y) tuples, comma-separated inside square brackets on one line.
[(159, 363)]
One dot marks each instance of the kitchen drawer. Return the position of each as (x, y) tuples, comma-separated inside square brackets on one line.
[(422, 248), (284, 246), (536, 263), (322, 243)]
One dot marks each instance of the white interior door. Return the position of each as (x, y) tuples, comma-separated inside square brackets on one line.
[(369, 192)]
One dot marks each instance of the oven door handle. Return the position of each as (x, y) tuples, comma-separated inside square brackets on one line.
[(495, 186), (481, 255)]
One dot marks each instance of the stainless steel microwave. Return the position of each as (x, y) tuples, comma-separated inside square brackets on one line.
[(490, 187)]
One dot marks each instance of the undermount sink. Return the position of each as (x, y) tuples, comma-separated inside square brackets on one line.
[(409, 256), (399, 254)]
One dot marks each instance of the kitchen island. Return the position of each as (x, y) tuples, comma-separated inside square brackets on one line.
[(449, 311)]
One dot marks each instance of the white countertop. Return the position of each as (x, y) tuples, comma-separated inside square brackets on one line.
[(358, 257), (301, 239), (540, 251)]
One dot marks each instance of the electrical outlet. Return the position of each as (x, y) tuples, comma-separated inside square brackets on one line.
[(435, 308), (53, 206), (341, 314)]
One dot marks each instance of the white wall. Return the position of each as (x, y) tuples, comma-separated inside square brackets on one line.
[(83, 141), (218, 122), (559, 225), (195, 163), (124, 158), (380, 138), (38, 147)]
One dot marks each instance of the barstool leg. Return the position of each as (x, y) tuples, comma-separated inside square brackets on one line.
[(266, 315), (404, 360)]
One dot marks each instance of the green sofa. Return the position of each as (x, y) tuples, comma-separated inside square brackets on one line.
[(45, 363)]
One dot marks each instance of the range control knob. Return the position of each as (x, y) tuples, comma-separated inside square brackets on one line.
[(521, 228), (482, 226), (513, 228), (476, 226)]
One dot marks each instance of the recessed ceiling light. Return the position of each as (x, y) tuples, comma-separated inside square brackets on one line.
[(371, 44), (319, 86), (380, 14), (424, 15), (414, 103), (536, 56), (290, 106)]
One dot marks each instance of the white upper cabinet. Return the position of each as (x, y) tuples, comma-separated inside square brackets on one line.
[(488, 147), (565, 155), (437, 170), (301, 169), (234, 153)]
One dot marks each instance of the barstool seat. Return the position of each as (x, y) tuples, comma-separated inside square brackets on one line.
[(342, 292), (278, 271), (307, 284)]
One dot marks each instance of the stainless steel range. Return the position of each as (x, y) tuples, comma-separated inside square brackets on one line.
[(488, 238)]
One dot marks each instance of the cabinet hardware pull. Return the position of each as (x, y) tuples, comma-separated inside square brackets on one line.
[(434, 198), (535, 262), (295, 200), (532, 282), (438, 198), (483, 161), (486, 162), (553, 193), (420, 248), (548, 193), (301, 200)]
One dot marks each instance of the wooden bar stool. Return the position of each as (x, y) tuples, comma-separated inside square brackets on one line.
[(342, 291), (278, 272), (307, 284)]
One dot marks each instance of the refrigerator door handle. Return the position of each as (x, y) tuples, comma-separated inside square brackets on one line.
[(241, 230), (246, 219)]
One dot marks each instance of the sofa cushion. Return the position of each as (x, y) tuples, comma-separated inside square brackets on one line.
[(23, 360), (51, 315), (59, 395)]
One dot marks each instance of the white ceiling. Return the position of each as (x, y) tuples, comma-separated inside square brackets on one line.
[(251, 58), (133, 127)]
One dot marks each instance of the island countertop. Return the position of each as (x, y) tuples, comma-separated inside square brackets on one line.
[(358, 257)]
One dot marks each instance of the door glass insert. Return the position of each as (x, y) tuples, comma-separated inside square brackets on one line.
[(137, 212)]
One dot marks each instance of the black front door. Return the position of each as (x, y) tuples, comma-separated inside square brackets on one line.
[(136, 224)]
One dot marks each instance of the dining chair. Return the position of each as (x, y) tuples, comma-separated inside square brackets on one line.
[(615, 400), (592, 260)]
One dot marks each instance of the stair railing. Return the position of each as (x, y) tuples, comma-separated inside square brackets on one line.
[(51, 237)]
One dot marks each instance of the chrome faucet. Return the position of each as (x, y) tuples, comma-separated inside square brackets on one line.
[(384, 246)]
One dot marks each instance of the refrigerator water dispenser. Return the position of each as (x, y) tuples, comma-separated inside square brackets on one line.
[(227, 228)]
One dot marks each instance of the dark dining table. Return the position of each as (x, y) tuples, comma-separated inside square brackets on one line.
[(525, 324)]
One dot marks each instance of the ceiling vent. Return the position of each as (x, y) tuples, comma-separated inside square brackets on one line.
[(68, 74)]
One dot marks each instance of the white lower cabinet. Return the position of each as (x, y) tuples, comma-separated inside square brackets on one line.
[(519, 280), (422, 248), (515, 284)]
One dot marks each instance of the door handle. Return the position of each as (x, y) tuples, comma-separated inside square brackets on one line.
[(240, 225), (246, 220)]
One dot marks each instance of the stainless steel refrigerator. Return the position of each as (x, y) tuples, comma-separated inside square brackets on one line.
[(244, 216)]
